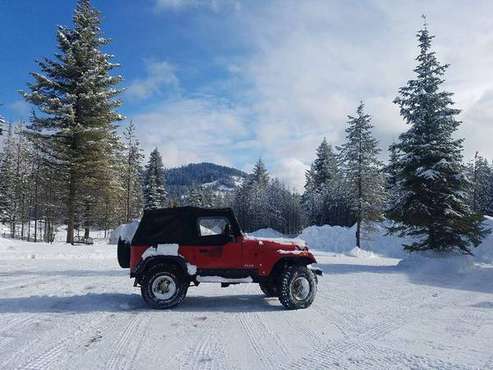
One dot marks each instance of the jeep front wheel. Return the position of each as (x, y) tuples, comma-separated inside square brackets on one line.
[(297, 288), (164, 286)]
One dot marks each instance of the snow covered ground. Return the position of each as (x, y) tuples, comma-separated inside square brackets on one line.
[(65, 307)]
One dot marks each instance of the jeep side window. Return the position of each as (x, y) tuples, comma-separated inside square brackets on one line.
[(209, 226)]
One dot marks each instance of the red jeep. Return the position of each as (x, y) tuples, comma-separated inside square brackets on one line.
[(175, 247)]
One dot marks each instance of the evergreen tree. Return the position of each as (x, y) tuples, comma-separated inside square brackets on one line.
[(259, 176), (155, 195), (132, 173), (75, 94), (480, 175), (7, 176), (326, 200), (363, 171), (2, 124), (432, 204), (324, 167)]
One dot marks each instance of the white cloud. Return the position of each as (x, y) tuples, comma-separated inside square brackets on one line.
[(288, 170), (160, 75), (314, 61), (308, 65), (214, 5), (192, 130)]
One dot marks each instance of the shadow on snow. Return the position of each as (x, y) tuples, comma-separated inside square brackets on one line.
[(119, 302), (479, 279)]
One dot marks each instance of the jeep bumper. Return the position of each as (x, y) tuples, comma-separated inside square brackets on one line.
[(315, 270)]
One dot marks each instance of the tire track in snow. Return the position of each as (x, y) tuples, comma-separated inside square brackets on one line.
[(25, 284), (50, 356), (368, 356), (333, 352), (206, 354), (267, 348), (127, 348), (17, 325)]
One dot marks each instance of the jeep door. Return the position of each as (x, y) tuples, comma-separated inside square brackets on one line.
[(218, 249)]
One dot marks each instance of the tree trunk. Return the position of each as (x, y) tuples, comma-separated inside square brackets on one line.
[(71, 210), (358, 234), (86, 232)]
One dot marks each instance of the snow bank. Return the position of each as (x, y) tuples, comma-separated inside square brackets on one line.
[(125, 231), (340, 239), (358, 252), (266, 233), (11, 249)]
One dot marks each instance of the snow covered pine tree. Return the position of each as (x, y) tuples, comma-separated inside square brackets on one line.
[(432, 206), (363, 171), (480, 175), (132, 172), (326, 199), (2, 124), (76, 95), (155, 195)]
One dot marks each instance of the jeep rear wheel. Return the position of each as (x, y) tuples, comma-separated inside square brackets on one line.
[(269, 289), (164, 286), (297, 288)]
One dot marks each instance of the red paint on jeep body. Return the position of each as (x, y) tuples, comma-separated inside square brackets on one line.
[(243, 253)]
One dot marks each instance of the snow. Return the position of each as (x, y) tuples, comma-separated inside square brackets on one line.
[(338, 239), (266, 233), (161, 250), (283, 251), (72, 307), (125, 232), (290, 241), (269, 234)]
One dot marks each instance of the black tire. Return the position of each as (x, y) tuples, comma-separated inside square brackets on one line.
[(123, 253), (153, 280), (297, 287), (269, 289)]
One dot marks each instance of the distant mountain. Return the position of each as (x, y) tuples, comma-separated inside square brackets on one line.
[(218, 178)]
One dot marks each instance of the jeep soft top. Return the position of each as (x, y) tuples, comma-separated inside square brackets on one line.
[(175, 247), (180, 225)]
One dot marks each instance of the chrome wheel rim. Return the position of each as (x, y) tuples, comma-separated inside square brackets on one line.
[(300, 288), (163, 287)]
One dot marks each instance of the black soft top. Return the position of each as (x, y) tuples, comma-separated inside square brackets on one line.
[(180, 225)]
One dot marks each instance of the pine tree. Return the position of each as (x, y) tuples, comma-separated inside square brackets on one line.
[(7, 176), (132, 173), (480, 175), (155, 195), (76, 96), (324, 167), (2, 124), (325, 199), (432, 204), (363, 171), (259, 176)]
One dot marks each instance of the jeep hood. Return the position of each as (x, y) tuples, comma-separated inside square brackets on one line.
[(280, 242)]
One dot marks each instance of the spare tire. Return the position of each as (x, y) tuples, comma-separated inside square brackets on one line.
[(123, 252)]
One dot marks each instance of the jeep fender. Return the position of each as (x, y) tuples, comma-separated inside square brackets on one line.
[(283, 262), (144, 264)]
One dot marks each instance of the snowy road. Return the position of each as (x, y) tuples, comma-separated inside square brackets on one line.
[(78, 310)]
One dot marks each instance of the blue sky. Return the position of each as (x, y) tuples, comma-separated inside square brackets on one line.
[(229, 81)]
